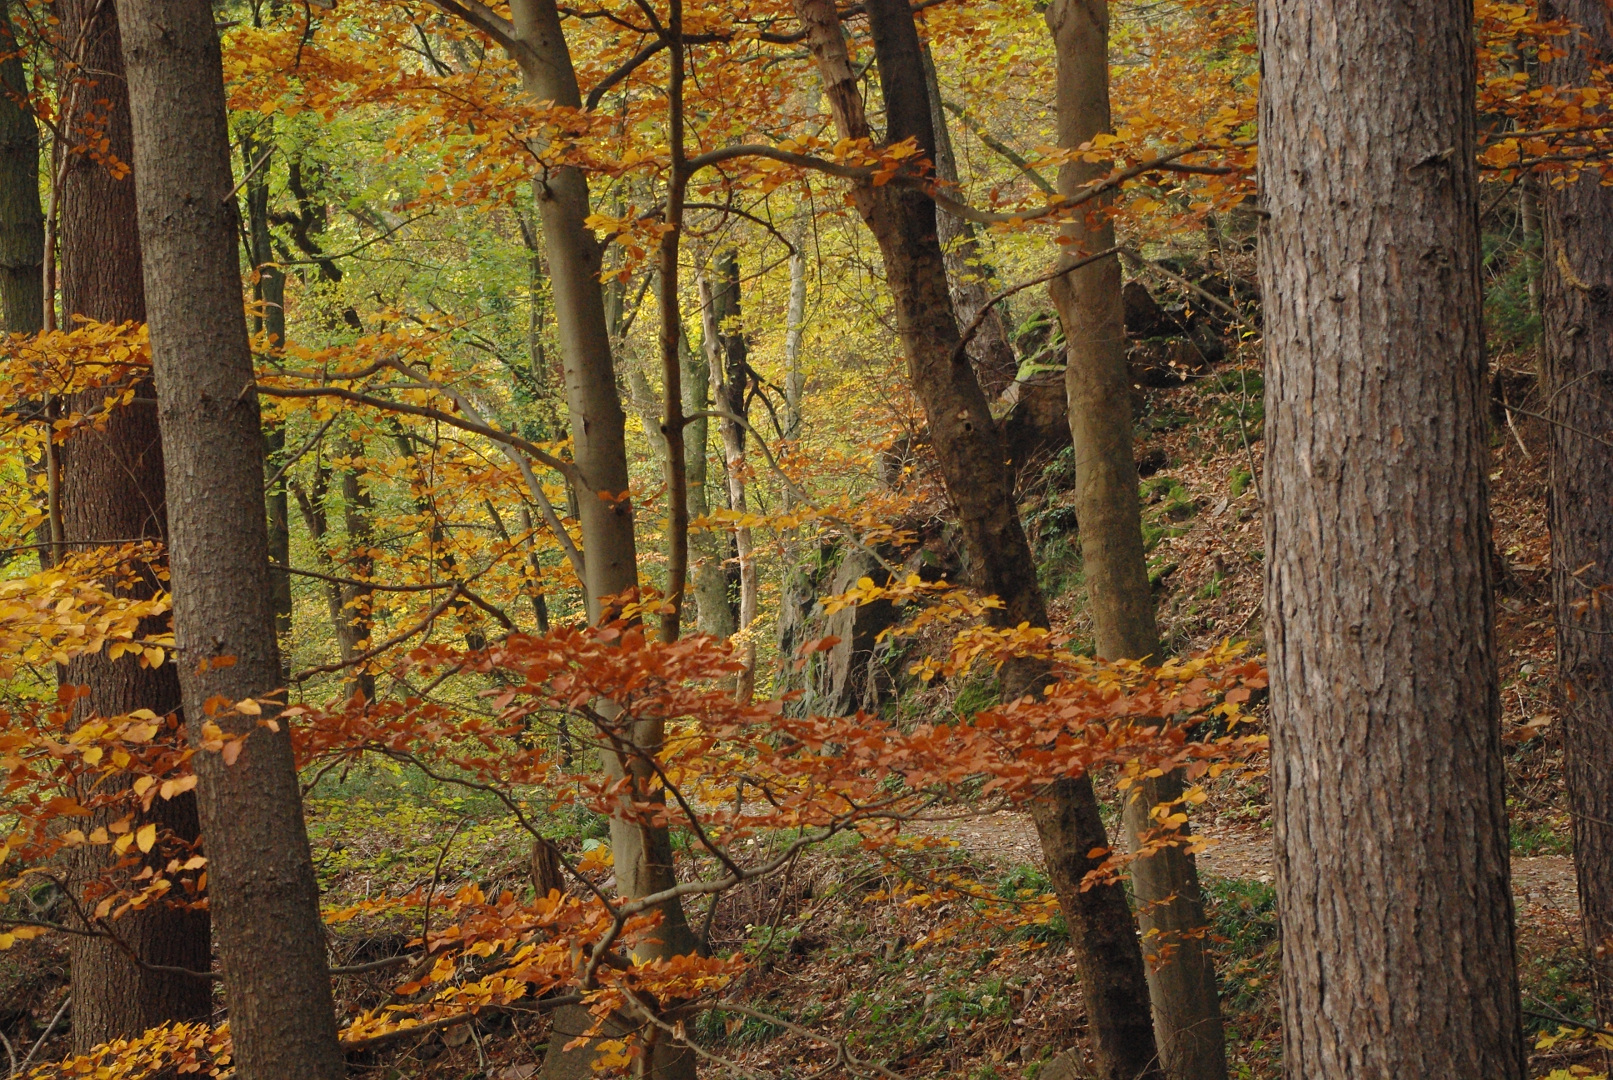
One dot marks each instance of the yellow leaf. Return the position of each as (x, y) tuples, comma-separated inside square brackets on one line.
[(249, 707), (146, 837), (143, 785)]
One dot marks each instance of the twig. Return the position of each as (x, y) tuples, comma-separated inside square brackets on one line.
[(356, 247), (50, 1027), (436, 876), (369, 654), (979, 320), (353, 1046), (313, 441)]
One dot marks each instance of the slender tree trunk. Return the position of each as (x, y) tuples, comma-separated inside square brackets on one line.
[(112, 489), (730, 366), (358, 511), (642, 852), (22, 222), (1181, 975), (270, 291), (970, 449), (262, 891), (348, 630), (794, 329), (671, 333), (1577, 384), (1386, 773), (968, 272), (713, 614)]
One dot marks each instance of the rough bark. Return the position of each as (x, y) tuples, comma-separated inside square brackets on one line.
[(1386, 772), (112, 489), (100, 251), (262, 891), (1181, 976), (968, 272), (1577, 384), (969, 448), (22, 222)]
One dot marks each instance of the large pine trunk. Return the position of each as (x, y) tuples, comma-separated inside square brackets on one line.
[(1577, 385), (112, 490), (262, 891), (22, 222), (1386, 770), (969, 447), (1181, 979)]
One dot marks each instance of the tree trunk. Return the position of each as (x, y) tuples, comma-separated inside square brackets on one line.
[(357, 522), (642, 852), (1386, 772), (1577, 384), (112, 489), (262, 890), (730, 367), (349, 632), (970, 449), (1181, 977), (713, 614), (22, 222), (270, 290), (968, 272)]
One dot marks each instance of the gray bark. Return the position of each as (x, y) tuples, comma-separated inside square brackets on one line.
[(1181, 986)]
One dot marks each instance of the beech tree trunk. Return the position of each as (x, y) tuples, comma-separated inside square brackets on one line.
[(113, 490), (22, 222), (642, 852), (1170, 907), (262, 890), (970, 449), (1386, 771), (1577, 384)]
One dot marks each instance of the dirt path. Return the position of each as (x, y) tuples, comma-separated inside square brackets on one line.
[(1007, 839)]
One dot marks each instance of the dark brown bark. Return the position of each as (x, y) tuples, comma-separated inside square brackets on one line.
[(970, 450), (262, 890), (269, 290), (1386, 773), (100, 251), (1577, 385), (1181, 977), (671, 335), (22, 222), (112, 489), (968, 272)]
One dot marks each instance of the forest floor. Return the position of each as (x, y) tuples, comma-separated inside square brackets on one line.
[(847, 946)]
